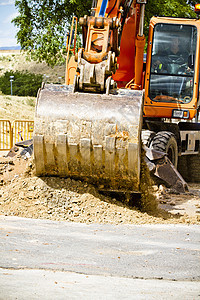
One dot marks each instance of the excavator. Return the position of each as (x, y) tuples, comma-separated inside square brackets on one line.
[(114, 102)]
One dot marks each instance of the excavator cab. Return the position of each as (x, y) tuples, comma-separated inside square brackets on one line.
[(171, 88)]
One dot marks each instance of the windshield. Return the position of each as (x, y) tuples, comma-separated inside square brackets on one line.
[(172, 64)]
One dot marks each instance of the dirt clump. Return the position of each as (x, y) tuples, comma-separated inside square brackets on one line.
[(25, 195)]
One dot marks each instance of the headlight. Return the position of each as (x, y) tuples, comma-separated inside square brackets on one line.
[(180, 114)]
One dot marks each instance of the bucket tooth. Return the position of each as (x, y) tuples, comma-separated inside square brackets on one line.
[(73, 159), (110, 155), (134, 161), (98, 157), (85, 151), (39, 154), (121, 161), (61, 147), (50, 157)]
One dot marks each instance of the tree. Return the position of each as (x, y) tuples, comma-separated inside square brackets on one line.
[(24, 84), (169, 8), (43, 24)]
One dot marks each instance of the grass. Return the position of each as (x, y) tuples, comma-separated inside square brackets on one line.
[(30, 101), (17, 108)]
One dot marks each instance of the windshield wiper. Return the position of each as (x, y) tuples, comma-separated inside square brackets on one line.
[(172, 75)]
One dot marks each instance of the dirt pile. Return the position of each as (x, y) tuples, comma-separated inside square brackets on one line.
[(25, 195)]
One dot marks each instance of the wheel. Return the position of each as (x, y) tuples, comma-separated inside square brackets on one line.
[(165, 141), (147, 136)]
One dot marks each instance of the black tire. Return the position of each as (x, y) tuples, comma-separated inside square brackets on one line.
[(165, 141), (147, 136)]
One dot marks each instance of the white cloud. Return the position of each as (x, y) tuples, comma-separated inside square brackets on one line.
[(8, 2)]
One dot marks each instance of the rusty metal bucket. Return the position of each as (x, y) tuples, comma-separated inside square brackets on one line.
[(94, 137)]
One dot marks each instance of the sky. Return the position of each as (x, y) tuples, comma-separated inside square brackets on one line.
[(7, 29)]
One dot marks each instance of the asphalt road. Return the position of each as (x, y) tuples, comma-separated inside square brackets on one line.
[(43, 259)]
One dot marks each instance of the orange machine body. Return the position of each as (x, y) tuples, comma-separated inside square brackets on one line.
[(99, 39), (100, 36), (130, 60)]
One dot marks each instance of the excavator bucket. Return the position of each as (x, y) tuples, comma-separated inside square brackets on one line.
[(95, 137)]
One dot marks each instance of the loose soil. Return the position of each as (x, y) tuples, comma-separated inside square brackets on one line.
[(25, 195)]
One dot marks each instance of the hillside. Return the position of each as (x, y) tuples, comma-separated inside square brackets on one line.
[(14, 107), (16, 60)]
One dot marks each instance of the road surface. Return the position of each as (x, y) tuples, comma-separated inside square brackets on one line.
[(42, 259)]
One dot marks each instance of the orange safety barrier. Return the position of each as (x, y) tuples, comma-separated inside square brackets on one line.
[(22, 130), (5, 135), (19, 130)]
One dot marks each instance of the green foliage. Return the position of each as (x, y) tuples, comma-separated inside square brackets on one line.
[(30, 101), (43, 24), (24, 84), (168, 8)]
